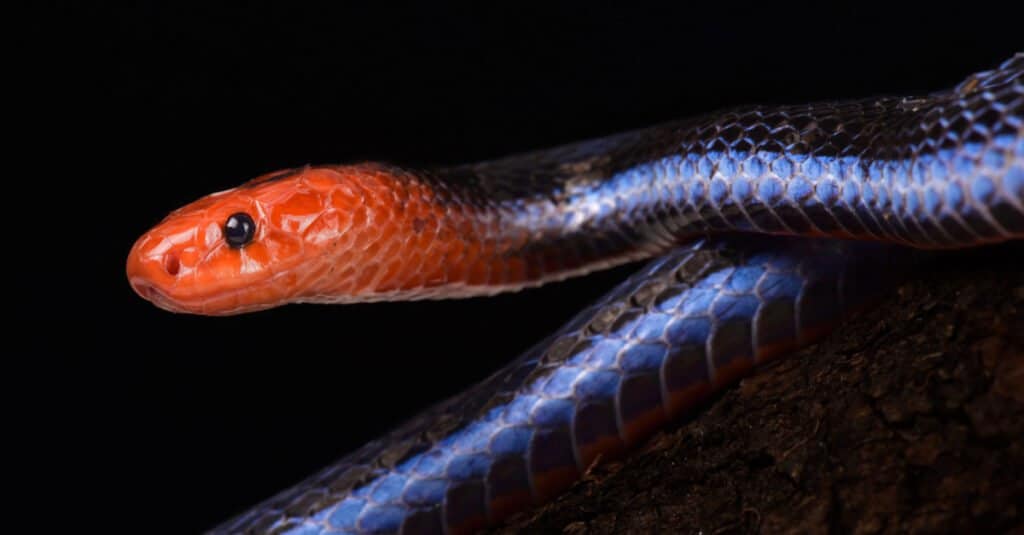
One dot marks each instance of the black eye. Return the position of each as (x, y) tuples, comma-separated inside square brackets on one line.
[(239, 230)]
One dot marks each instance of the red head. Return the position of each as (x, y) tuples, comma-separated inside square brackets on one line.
[(315, 234)]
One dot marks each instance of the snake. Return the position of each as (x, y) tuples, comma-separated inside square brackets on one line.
[(764, 226)]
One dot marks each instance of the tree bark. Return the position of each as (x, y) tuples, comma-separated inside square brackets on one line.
[(908, 418)]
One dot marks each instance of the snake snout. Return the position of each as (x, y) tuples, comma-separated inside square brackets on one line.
[(153, 271)]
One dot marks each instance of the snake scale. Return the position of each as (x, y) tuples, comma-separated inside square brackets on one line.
[(768, 225)]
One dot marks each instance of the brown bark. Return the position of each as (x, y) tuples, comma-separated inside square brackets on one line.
[(909, 418)]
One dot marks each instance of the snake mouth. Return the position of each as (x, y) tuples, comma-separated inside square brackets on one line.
[(153, 294), (226, 302)]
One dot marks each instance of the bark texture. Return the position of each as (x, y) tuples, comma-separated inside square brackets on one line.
[(908, 419)]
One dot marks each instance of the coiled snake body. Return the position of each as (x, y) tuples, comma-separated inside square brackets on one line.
[(770, 225)]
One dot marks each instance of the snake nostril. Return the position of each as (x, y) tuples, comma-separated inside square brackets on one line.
[(171, 264)]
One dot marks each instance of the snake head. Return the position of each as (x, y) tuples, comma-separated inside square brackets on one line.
[(330, 234), (233, 251)]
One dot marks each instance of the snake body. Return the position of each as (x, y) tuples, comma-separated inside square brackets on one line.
[(841, 197)]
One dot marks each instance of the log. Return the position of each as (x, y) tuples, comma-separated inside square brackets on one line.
[(908, 418)]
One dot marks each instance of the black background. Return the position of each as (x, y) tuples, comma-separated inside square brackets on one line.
[(175, 422)]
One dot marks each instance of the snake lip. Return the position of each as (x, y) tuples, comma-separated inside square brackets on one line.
[(153, 294)]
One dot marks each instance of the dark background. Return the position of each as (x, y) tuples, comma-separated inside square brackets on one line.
[(172, 422)]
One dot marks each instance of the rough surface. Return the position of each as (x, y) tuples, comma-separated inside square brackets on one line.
[(910, 419)]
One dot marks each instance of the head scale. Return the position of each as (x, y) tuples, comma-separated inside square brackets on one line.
[(264, 243)]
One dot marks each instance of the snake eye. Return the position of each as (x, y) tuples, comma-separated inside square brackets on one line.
[(239, 230)]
